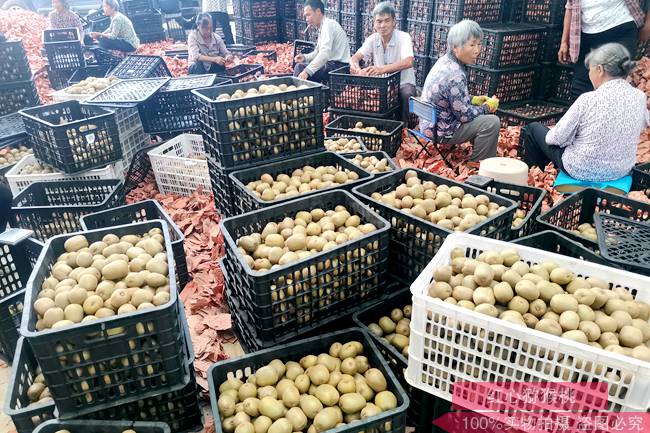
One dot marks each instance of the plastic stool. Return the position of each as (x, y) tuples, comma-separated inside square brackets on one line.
[(506, 170), (568, 185)]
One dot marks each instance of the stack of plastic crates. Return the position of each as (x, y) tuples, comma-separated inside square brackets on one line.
[(64, 55), (257, 21), (17, 89), (147, 21)]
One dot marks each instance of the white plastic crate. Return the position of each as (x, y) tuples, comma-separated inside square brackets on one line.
[(63, 96), (127, 119), (176, 172), (18, 182), (449, 343), (131, 143)]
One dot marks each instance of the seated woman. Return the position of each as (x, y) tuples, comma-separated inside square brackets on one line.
[(120, 35), (596, 139), (207, 53), (62, 17), (446, 88)]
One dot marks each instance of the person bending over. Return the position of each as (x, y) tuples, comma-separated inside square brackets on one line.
[(589, 24), (596, 139), (61, 17), (120, 34), (207, 53), (332, 49), (388, 50), (446, 88)]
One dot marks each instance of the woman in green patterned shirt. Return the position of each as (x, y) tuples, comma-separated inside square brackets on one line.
[(120, 35)]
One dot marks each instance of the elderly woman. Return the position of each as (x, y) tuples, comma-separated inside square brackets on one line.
[(596, 139), (207, 53), (62, 17), (388, 50), (120, 35), (446, 88)]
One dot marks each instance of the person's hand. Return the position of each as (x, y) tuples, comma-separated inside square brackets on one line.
[(479, 100), (300, 58), (95, 35), (355, 69), (375, 70), (229, 58), (219, 60), (492, 104), (304, 75), (644, 33), (563, 54)]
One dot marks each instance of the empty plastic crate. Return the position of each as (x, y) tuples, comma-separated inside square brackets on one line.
[(288, 29), (240, 49), (144, 353), (388, 142), (73, 137), (134, 7), (544, 11), (15, 66), (11, 127), (511, 85), (421, 10), (641, 178), (138, 172), (420, 35), (59, 78), (481, 11), (551, 46), (257, 30), (180, 165), (554, 242), (556, 83), (138, 66), (106, 57), (414, 241), (255, 8), (363, 94), (241, 73), (422, 65), (89, 71), (296, 122), (17, 95), (17, 258), (63, 48), (83, 426), (523, 113), (223, 189), (624, 242), (277, 313), (580, 207), (351, 24)]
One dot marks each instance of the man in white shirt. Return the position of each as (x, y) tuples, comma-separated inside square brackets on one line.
[(387, 51), (332, 49)]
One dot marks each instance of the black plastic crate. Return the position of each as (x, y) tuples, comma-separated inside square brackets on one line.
[(335, 289), (351, 25), (369, 5), (54, 208), (421, 35), (63, 48), (16, 96), (63, 134), (388, 143), (302, 47), (144, 353), (419, 409), (363, 94), (393, 115), (241, 73), (351, 6), (25, 416), (240, 49), (139, 66), (392, 421), (641, 178), (504, 45), (580, 208), (379, 155), (523, 113), (288, 9), (624, 242), (95, 426), (89, 71), (422, 66), (514, 11), (127, 93), (223, 190), (16, 263), (511, 85), (255, 8), (134, 7), (414, 241), (551, 46), (266, 54), (174, 108), (367, 25), (11, 127), (14, 142), (257, 30), (333, 5), (158, 35), (250, 202), (106, 57), (288, 29), (421, 10), (139, 171), (556, 83), (481, 11), (544, 11), (174, 28), (98, 22), (142, 211), (59, 78), (15, 66), (297, 131), (552, 241), (529, 199)]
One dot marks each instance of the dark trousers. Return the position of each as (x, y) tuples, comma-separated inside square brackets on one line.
[(322, 75), (116, 44), (5, 206), (198, 68), (405, 93), (222, 20), (626, 34), (536, 151)]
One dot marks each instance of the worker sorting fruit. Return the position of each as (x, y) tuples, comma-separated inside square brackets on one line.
[(332, 49), (461, 117), (388, 50), (207, 52), (596, 140)]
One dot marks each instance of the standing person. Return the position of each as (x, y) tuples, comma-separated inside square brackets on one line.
[(207, 53), (332, 49), (218, 10), (388, 50), (120, 35), (461, 117), (589, 24), (597, 138), (61, 17)]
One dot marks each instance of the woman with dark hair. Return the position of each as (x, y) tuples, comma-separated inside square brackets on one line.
[(62, 17), (120, 35), (207, 53)]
